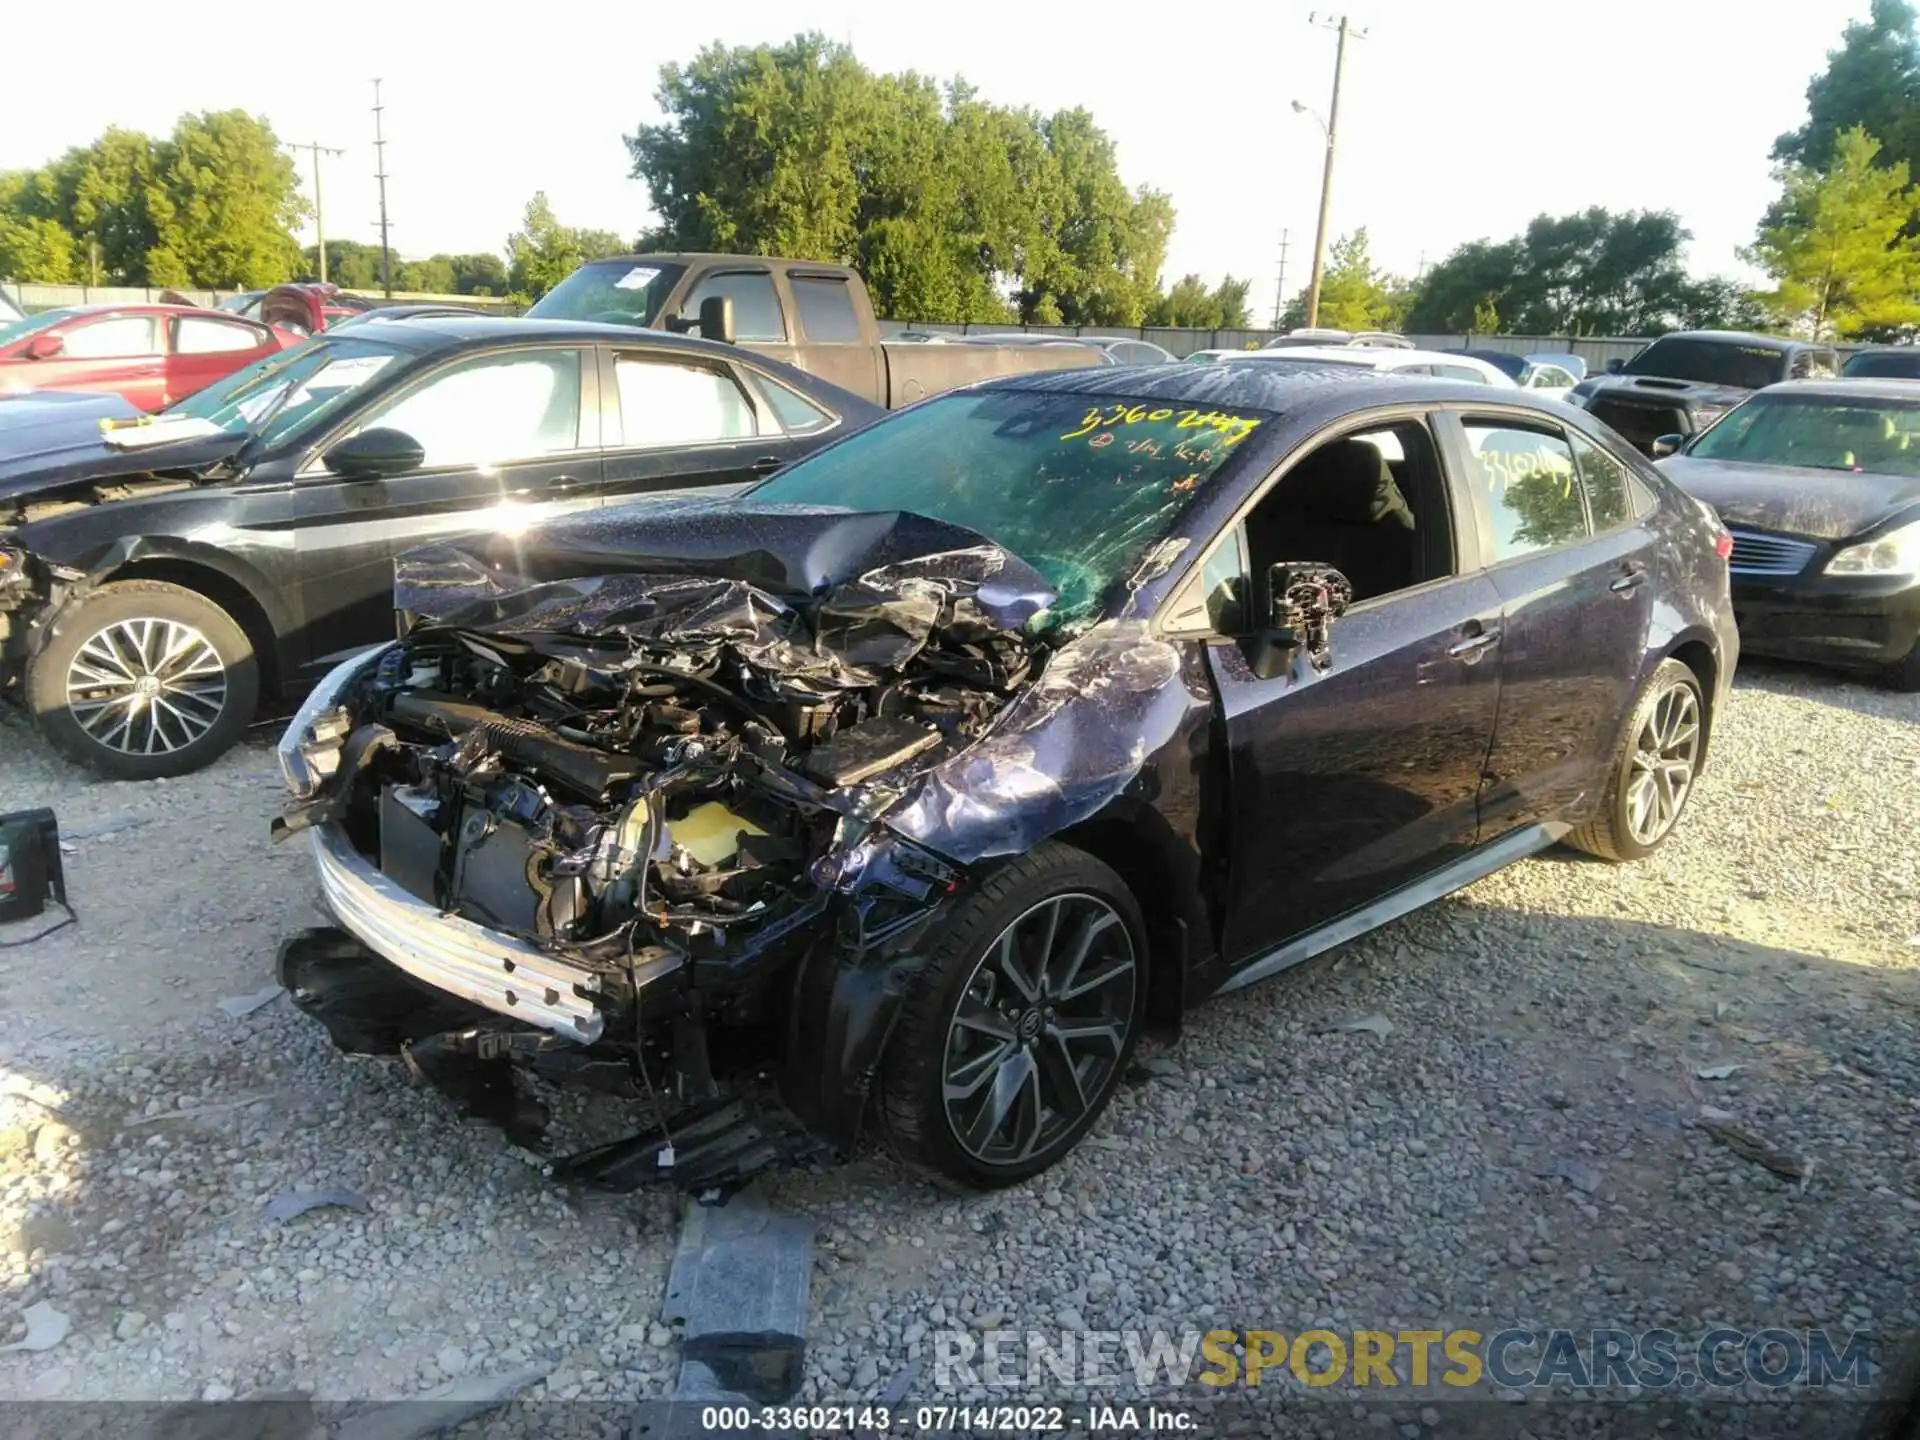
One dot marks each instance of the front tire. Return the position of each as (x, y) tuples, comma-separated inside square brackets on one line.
[(1019, 1026), (144, 679), (1653, 770)]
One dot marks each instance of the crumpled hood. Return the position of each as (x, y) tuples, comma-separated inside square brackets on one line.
[(1819, 504), (38, 459), (1677, 392)]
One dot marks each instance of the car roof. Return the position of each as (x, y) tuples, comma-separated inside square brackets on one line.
[(143, 307), (1739, 337), (426, 333), (1276, 387), (1849, 387)]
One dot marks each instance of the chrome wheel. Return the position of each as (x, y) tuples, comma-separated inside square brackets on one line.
[(1040, 1028), (1664, 755), (146, 686)]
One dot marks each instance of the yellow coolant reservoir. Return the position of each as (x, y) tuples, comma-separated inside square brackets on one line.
[(711, 833)]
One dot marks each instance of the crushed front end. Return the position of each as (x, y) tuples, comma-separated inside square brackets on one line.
[(620, 816)]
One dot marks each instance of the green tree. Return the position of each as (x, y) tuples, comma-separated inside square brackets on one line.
[(480, 274), (1354, 293), (35, 249), (1871, 81), (432, 276), (224, 200), (542, 252), (1190, 304), (1838, 248), (1594, 272), (951, 208), (351, 264)]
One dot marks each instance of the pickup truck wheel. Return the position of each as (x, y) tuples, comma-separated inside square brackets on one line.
[(143, 679), (1017, 1030), (1653, 771)]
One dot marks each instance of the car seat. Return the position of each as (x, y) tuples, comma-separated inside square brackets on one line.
[(1340, 507)]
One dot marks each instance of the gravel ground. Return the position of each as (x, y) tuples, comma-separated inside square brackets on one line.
[(1267, 1171)]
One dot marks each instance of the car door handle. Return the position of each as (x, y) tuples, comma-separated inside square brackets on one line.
[(1471, 647), (767, 464), (1629, 581)]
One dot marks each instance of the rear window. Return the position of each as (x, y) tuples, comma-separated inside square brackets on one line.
[(826, 309)]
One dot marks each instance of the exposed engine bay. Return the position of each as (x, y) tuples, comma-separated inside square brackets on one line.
[(673, 782)]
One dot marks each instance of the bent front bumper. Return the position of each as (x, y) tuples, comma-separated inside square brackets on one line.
[(481, 966)]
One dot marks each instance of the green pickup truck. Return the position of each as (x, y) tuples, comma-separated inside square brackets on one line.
[(815, 316)]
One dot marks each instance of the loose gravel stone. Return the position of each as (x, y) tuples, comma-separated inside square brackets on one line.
[(1264, 1172)]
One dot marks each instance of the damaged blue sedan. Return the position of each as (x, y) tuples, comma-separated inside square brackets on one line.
[(912, 786)]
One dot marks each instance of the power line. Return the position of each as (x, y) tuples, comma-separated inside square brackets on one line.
[(1331, 125), (316, 150), (1280, 282), (380, 174)]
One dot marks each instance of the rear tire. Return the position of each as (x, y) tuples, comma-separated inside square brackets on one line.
[(143, 679), (1653, 771), (1027, 1009)]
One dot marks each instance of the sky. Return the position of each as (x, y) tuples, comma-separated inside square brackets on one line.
[(1459, 119)]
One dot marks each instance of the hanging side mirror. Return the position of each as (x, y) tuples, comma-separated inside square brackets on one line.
[(1666, 445)]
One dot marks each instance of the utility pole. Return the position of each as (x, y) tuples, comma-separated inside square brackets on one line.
[(1332, 127), (316, 149), (380, 174), (1280, 282)]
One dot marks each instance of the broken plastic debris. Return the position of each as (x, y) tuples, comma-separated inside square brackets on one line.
[(46, 1328), (238, 1007), (1717, 1072), (1372, 1024), (292, 1203), (1577, 1173)]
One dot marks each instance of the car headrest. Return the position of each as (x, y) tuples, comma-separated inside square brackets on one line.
[(1349, 483)]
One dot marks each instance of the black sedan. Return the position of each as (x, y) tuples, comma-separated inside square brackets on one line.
[(920, 777), (1819, 481), (157, 577)]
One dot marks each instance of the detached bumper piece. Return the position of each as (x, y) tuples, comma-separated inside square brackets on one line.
[(716, 1149)]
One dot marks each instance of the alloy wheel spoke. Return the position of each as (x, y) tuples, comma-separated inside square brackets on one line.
[(1010, 966), (1060, 1079), (1117, 970), (146, 686), (1010, 1077), (966, 1081), (1104, 1035), (1075, 956), (976, 1014)]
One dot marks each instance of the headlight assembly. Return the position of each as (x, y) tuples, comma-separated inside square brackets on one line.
[(1895, 554)]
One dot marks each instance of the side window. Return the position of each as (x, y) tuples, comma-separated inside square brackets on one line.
[(756, 309), (1460, 372), (483, 412), (1412, 369), (1223, 580), (797, 414), (1609, 485), (116, 337), (1550, 377), (1533, 493), (666, 403), (193, 335), (826, 309)]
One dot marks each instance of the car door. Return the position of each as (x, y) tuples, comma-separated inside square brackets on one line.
[(121, 354), (1576, 607), (203, 348), (759, 319), (678, 421), (1347, 783), (511, 438), (832, 345)]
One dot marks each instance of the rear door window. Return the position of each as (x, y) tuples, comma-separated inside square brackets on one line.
[(200, 335), (1532, 488), (756, 309), (664, 402), (796, 413), (826, 309)]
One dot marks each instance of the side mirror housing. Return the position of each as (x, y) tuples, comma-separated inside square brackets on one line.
[(1614, 367), (46, 347), (714, 322), (375, 454), (1666, 445), (1270, 652)]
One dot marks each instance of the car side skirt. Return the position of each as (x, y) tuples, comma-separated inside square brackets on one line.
[(1477, 865)]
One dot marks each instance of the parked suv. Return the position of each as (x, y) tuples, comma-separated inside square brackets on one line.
[(1682, 383)]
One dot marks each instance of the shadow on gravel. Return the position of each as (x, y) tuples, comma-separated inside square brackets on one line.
[(1863, 694)]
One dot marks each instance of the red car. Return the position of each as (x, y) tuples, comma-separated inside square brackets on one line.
[(151, 355)]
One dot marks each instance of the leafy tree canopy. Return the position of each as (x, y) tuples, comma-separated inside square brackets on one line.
[(1871, 81), (1839, 245)]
